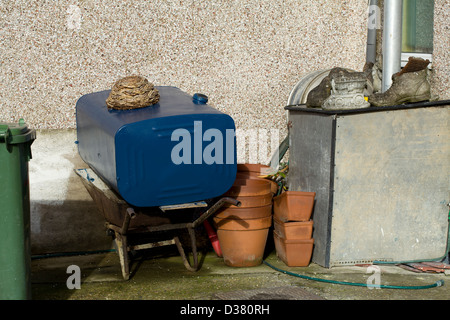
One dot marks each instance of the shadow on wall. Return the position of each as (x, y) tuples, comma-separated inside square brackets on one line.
[(64, 217), (73, 226)]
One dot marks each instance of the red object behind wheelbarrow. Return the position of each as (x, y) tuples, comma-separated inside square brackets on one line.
[(213, 238)]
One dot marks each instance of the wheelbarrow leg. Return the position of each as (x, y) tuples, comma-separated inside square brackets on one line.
[(122, 250), (191, 229), (122, 244), (194, 267)]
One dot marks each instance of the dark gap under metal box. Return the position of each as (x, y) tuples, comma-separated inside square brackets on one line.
[(381, 177), (177, 151)]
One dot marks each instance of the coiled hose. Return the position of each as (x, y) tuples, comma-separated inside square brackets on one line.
[(438, 283)]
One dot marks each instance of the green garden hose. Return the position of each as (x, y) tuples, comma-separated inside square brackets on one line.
[(436, 284)]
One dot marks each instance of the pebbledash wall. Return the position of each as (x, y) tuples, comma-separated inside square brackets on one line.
[(246, 56)]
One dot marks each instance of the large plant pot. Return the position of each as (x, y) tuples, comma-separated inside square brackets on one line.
[(243, 231), (294, 253), (243, 248), (294, 206), (243, 241)]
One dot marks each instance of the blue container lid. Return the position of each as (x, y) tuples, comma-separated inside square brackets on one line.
[(200, 98)]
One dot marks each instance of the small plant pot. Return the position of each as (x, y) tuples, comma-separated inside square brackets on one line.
[(294, 253), (294, 206), (294, 230), (249, 187), (243, 248), (245, 213)]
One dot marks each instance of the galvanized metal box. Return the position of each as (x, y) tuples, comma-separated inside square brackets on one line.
[(381, 177), (177, 151)]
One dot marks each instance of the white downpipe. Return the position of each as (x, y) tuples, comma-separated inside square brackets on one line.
[(392, 41)]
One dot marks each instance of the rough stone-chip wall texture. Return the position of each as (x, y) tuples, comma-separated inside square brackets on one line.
[(245, 55), (440, 80)]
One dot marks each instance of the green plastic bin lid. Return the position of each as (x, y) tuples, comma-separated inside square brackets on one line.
[(13, 133)]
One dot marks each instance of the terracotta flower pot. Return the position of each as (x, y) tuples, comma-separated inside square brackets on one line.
[(254, 171), (245, 213), (243, 231), (250, 175), (249, 187), (243, 224), (294, 253), (252, 201), (243, 241), (294, 206), (243, 248), (293, 230)]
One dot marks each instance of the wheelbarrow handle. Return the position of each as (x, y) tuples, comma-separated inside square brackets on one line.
[(216, 206)]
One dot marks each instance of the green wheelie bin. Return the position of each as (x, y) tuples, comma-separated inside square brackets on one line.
[(15, 255)]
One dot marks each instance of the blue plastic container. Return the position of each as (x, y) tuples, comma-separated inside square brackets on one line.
[(177, 151)]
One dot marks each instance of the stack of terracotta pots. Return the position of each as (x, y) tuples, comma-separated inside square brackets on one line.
[(243, 230), (293, 227)]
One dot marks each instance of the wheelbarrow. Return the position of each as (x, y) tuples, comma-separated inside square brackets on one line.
[(123, 220)]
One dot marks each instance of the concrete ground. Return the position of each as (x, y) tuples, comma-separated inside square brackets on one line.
[(65, 214), (159, 274)]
